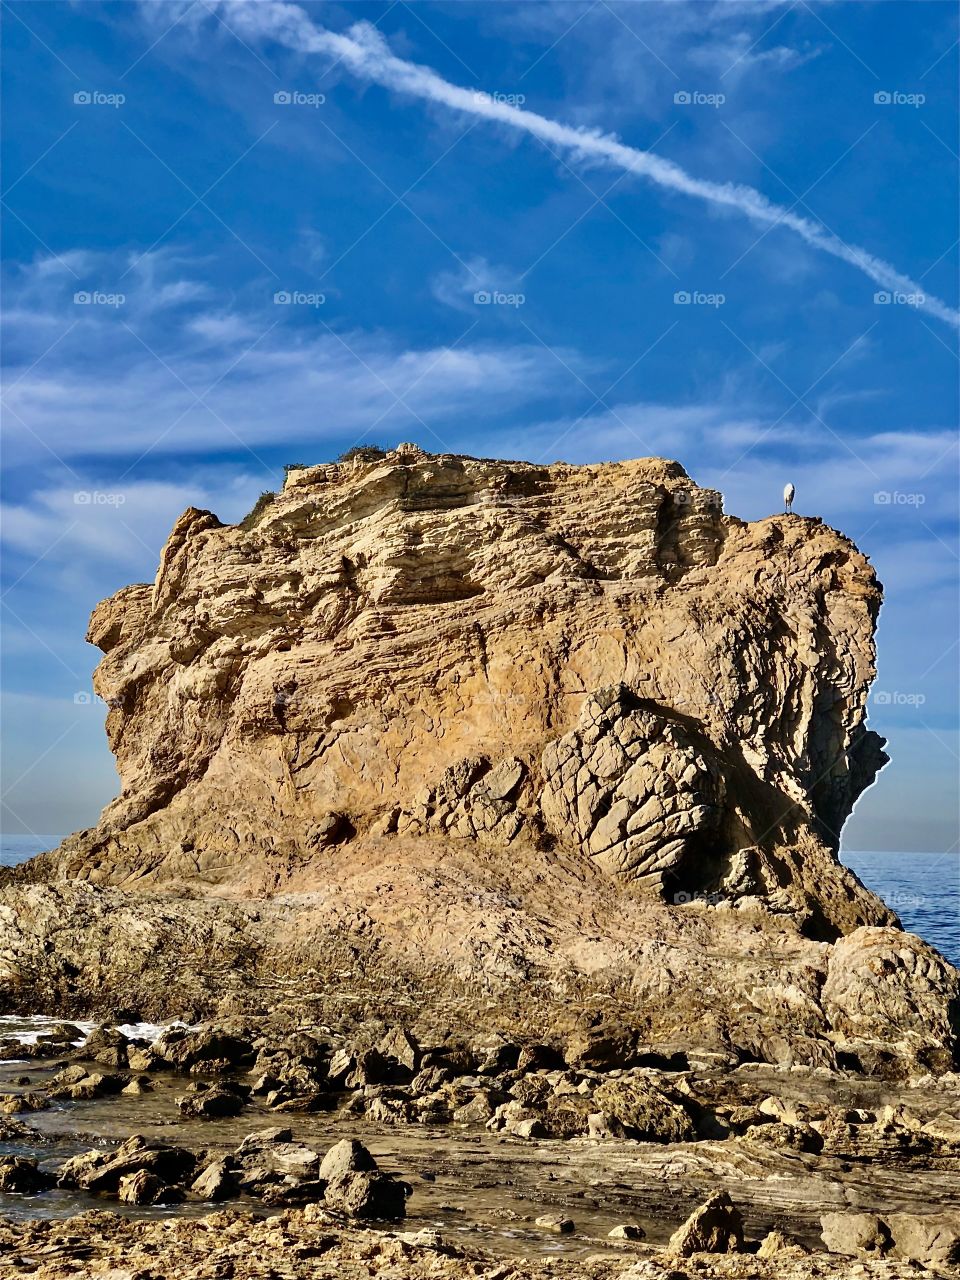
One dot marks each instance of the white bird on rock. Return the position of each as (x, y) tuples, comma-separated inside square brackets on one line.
[(788, 492)]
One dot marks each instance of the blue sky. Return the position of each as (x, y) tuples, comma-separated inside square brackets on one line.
[(789, 168)]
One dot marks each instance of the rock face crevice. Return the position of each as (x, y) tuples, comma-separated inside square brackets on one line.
[(403, 676)]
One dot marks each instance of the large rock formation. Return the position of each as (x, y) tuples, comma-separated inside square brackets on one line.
[(486, 720)]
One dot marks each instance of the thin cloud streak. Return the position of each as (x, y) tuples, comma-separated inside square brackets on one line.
[(365, 52)]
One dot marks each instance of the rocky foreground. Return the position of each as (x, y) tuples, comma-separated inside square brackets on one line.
[(619, 1156), (499, 804)]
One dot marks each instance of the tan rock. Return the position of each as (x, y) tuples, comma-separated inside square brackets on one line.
[(716, 1227), (471, 724)]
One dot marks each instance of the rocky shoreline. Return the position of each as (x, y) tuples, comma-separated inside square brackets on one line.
[(479, 824), (793, 1174)]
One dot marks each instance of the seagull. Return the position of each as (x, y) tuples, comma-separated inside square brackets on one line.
[(788, 492)]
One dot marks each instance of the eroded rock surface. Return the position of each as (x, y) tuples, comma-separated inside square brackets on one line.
[(471, 728)]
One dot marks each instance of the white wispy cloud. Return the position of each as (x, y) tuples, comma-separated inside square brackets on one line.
[(174, 369), (365, 52)]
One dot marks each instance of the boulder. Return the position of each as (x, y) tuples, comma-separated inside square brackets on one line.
[(102, 1170), (138, 1085), (716, 1227), (646, 1111), (627, 1231), (929, 1238), (211, 1104), (894, 1002), (400, 1044), (263, 1138), (539, 1057), (22, 1176), (858, 1235), (143, 1058), (556, 1222), (367, 1195), (146, 1188), (207, 1048), (103, 1038), (217, 1181), (340, 1066), (775, 1242), (14, 1104), (346, 1156), (480, 1107), (599, 1049), (371, 1067)]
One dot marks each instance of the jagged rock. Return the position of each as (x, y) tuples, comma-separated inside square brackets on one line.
[(144, 1059), (106, 1040), (480, 1107), (137, 1086), (207, 1048), (80, 1085), (400, 1044), (146, 1188), (716, 1227), (644, 1110), (13, 1104), (289, 1159), (22, 1176), (102, 1170), (216, 1182), (264, 1138), (775, 1242), (211, 1104), (601, 1050)]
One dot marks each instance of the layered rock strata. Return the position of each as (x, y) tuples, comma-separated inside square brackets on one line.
[(457, 725)]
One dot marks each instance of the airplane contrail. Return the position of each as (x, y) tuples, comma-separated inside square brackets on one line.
[(366, 53)]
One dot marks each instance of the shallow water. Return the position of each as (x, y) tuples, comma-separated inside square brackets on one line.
[(478, 1186), (922, 888)]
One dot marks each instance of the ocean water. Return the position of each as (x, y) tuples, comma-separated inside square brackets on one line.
[(923, 888)]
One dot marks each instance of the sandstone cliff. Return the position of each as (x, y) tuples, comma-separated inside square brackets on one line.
[(444, 648), (493, 720)]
